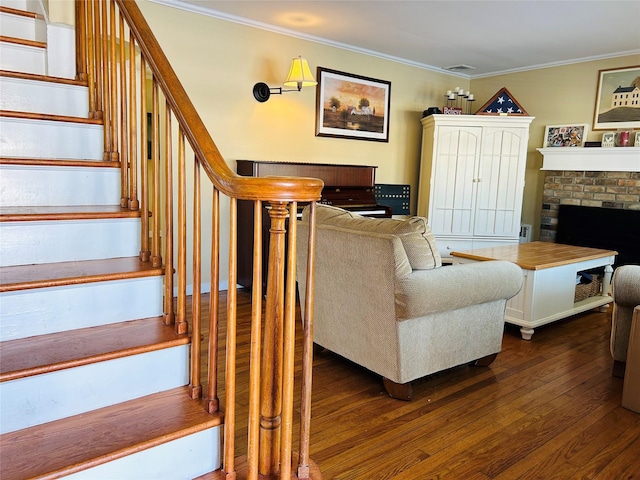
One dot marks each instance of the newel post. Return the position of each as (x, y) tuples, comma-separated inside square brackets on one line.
[(272, 353)]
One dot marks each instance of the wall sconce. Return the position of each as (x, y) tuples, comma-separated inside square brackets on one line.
[(299, 76)]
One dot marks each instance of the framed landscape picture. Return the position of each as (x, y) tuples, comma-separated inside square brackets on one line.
[(352, 106), (565, 135), (618, 99)]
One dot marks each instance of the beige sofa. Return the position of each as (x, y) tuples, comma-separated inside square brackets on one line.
[(384, 301), (626, 296)]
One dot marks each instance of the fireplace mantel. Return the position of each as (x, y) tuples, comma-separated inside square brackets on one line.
[(592, 159)]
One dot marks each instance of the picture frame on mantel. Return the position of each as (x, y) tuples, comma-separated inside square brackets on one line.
[(352, 106), (617, 89), (565, 135), (609, 139)]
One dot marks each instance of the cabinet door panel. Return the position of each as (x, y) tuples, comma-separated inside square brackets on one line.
[(453, 183), (500, 182)]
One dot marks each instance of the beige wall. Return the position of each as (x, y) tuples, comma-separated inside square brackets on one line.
[(554, 96), (220, 61), (60, 11)]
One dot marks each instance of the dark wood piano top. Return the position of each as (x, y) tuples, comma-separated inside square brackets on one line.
[(332, 175)]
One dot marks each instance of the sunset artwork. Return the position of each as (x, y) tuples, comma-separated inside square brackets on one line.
[(352, 106)]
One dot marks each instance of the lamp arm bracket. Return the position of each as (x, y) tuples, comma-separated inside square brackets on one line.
[(262, 91)]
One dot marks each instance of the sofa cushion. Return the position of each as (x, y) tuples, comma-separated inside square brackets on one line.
[(414, 233)]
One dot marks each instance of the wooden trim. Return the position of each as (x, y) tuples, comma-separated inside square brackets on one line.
[(307, 348), (81, 212), (23, 277), (227, 181), (23, 41), (54, 162), (52, 118), (196, 322), (168, 415), (42, 78), (213, 401), (58, 351), (20, 13)]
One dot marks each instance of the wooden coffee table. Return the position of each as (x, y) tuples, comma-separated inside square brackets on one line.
[(550, 271)]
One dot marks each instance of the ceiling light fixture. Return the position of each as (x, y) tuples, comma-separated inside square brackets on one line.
[(299, 76)]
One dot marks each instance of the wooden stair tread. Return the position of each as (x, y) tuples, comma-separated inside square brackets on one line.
[(23, 41), (46, 116), (20, 13), (21, 277), (42, 78), (47, 353), (63, 212), (73, 444), (57, 162)]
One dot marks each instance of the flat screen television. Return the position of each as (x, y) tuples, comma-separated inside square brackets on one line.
[(609, 228)]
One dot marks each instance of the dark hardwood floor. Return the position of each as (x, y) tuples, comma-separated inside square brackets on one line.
[(545, 409)]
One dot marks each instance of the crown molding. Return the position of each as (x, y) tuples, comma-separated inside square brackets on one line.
[(324, 41)]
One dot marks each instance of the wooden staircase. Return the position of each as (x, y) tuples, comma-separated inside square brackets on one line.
[(99, 376), (93, 383)]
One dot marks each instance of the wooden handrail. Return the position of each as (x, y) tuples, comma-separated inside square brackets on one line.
[(280, 189), (118, 96)]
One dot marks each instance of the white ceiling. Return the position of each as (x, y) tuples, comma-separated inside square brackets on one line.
[(496, 36)]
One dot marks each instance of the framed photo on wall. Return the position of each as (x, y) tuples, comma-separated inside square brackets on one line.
[(565, 135), (352, 106), (618, 99)]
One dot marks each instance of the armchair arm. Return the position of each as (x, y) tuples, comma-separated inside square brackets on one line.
[(626, 285), (425, 292)]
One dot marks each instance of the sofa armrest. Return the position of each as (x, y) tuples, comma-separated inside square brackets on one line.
[(626, 286), (425, 292)]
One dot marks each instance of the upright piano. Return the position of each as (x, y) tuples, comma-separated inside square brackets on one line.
[(351, 187)]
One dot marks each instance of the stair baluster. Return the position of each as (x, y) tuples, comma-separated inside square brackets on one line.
[(116, 92)]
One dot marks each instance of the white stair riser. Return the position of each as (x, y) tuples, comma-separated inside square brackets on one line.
[(24, 243), (26, 28), (61, 50), (30, 186), (182, 459), (50, 139), (43, 97), (30, 401), (42, 311), (22, 58)]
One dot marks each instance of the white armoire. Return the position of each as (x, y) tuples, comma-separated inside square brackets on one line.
[(472, 179)]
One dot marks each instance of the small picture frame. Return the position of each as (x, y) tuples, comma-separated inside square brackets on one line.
[(565, 135), (609, 139), (636, 142)]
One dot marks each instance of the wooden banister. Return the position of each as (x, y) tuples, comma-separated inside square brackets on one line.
[(227, 181), (118, 95)]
